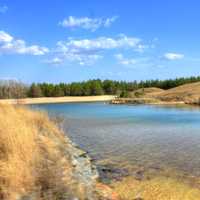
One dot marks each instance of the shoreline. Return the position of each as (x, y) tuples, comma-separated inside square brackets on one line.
[(67, 99), (152, 101), (145, 101)]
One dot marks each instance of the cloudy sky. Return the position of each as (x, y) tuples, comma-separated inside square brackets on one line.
[(77, 40)]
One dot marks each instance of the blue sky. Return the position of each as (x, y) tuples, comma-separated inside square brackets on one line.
[(64, 41)]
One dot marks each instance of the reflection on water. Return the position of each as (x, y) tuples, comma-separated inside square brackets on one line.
[(165, 137)]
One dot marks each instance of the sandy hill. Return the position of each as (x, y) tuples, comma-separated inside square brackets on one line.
[(189, 93), (146, 92)]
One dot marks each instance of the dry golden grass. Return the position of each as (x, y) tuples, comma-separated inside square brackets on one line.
[(159, 188), (145, 92), (187, 93), (190, 93), (32, 157)]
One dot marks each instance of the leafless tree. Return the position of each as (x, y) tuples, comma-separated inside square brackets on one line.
[(12, 89)]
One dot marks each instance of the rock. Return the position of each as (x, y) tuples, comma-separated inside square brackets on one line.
[(109, 172), (84, 171), (139, 175)]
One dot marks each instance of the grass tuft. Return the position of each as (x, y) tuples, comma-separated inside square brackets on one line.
[(159, 188)]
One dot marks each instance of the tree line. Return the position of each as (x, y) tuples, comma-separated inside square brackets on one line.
[(15, 89)]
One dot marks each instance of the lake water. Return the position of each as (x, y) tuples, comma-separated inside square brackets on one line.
[(142, 136)]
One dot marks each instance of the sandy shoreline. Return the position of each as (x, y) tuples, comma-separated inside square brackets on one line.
[(68, 99)]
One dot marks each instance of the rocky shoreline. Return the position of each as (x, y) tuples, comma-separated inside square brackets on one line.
[(151, 101), (84, 170), (91, 176)]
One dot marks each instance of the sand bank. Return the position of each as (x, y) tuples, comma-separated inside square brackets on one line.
[(58, 99)]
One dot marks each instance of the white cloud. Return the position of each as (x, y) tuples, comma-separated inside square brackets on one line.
[(173, 56), (9, 45), (125, 61), (5, 37), (54, 61), (3, 9), (81, 59), (101, 43), (109, 21), (141, 48), (87, 23), (88, 51)]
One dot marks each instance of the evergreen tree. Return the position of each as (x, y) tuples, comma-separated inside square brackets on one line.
[(96, 88), (35, 91)]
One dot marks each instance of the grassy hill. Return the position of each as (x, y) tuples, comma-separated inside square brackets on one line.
[(187, 93), (145, 92)]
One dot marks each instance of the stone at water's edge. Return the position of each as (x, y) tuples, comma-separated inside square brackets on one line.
[(88, 175), (84, 171), (108, 173)]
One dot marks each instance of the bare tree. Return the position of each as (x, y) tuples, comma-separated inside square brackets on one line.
[(12, 89)]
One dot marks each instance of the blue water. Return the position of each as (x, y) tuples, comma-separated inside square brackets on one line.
[(142, 135)]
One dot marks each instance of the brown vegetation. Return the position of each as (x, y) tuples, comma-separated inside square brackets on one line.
[(187, 93), (12, 89), (34, 161), (145, 92), (159, 188)]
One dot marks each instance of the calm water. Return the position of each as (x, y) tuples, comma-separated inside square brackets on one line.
[(163, 137)]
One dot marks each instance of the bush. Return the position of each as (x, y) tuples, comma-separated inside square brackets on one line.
[(124, 94)]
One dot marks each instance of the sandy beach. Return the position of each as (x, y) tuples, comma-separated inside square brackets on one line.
[(58, 99)]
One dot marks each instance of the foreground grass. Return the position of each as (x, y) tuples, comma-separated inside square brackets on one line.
[(33, 160), (159, 188)]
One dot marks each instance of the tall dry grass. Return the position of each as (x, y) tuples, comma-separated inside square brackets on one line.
[(33, 160), (159, 188)]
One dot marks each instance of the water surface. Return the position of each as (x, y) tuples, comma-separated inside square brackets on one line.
[(143, 136)]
